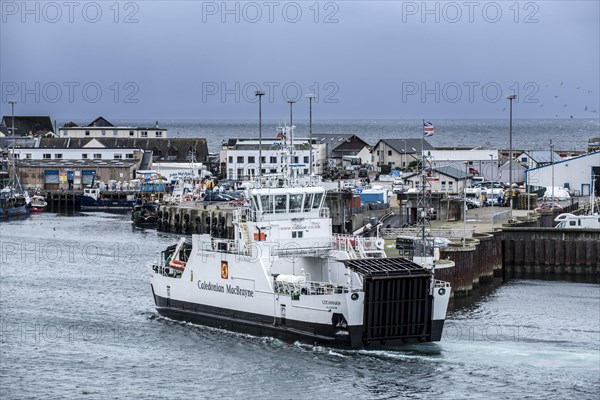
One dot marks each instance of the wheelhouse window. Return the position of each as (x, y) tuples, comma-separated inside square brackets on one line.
[(317, 200), (296, 203), (308, 199), (280, 203), (267, 204)]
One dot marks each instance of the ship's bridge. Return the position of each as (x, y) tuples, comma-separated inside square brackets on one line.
[(288, 203)]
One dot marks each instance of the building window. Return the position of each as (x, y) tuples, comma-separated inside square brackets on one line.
[(144, 134), (118, 156), (115, 133), (230, 159), (58, 155), (262, 171), (443, 185), (103, 132), (377, 152), (28, 156), (47, 156), (240, 173), (84, 156), (273, 160), (240, 159), (158, 134), (130, 133), (296, 160), (305, 171), (16, 155), (129, 156), (273, 170), (263, 159), (389, 152), (87, 133), (251, 160), (97, 156), (306, 159), (64, 133)]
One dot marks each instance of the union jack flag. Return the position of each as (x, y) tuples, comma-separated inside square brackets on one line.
[(428, 129)]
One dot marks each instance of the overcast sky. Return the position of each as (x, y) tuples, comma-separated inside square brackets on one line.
[(376, 59)]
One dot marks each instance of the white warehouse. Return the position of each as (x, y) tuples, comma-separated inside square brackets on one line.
[(577, 173)]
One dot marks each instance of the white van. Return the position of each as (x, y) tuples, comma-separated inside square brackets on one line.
[(572, 221)]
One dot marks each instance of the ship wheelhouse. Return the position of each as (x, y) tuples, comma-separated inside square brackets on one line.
[(287, 203)]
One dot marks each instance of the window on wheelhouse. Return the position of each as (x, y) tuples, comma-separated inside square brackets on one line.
[(308, 198), (295, 203), (267, 204), (317, 200), (281, 203)]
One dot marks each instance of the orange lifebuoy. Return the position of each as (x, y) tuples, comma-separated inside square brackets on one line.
[(177, 264)]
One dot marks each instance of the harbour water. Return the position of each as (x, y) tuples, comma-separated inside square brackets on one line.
[(78, 321)]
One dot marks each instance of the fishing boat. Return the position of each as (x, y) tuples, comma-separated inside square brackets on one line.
[(38, 204), (14, 199), (286, 275), (145, 215), (13, 202), (94, 199)]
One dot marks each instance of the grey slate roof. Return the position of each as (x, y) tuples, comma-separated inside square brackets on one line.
[(398, 145), (28, 125), (452, 172)]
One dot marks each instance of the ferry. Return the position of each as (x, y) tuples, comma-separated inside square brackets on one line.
[(286, 275)]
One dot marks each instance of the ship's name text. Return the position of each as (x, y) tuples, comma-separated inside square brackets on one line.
[(229, 289)]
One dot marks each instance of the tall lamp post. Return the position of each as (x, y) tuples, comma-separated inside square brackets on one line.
[(465, 205), (259, 94), (510, 154), (492, 188), (552, 162), (291, 101), (404, 161), (310, 96), (12, 108)]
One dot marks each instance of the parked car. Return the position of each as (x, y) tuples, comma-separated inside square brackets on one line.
[(549, 207), (473, 203)]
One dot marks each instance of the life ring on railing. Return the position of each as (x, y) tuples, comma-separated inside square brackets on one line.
[(177, 264), (441, 291)]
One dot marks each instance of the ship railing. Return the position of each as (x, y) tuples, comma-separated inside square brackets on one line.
[(310, 288), (441, 284), (295, 251), (324, 213), (226, 246)]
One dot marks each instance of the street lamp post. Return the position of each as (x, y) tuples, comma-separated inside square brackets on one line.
[(404, 161), (12, 121), (510, 154), (259, 94), (291, 101), (465, 206), (310, 96), (552, 162), (492, 189)]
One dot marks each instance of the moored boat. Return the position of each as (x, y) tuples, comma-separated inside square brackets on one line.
[(38, 203), (145, 215)]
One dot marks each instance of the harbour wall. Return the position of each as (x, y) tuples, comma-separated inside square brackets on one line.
[(477, 262), (550, 251)]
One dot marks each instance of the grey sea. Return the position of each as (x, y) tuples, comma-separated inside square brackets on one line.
[(566, 134), (77, 321)]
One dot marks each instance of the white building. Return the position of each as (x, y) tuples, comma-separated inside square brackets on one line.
[(239, 157), (482, 163), (576, 173), (518, 172), (441, 180), (399, 153), (536, 158), (100, 128), (63, 150)]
